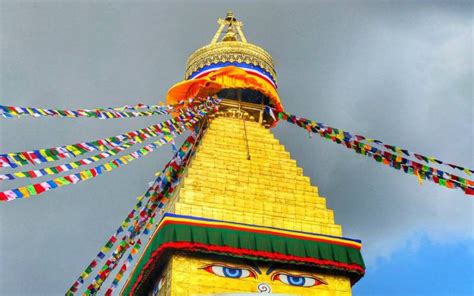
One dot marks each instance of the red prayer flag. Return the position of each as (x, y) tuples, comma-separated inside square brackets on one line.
[(39, 189)]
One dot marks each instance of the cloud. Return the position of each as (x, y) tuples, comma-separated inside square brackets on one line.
[(408, 83)]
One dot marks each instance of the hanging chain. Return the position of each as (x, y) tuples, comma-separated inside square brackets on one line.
[(239, 96)]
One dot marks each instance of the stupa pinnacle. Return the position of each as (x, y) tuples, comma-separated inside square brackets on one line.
[(244, 218), (230, 48)]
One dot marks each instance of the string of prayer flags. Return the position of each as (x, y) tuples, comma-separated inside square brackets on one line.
[(11, 111), (68, 166), (126, 242), (394, 160), (146, 217), (400, 151), (176, 169), (422, 172), (127, 111), (108, 245), (109, 265), (162, 186), (158, 185), (38, 156), (332, 133), (89, 160), (39, 188), (15, 159), (139, 106), (124, 268), (397, 150)]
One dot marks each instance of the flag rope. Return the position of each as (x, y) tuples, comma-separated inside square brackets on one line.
[(179, 173), (15, 159), (98, 113), (146, 215), (395, 161), (39, 188)]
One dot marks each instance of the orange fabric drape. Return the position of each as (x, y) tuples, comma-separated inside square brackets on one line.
[(227, 77)]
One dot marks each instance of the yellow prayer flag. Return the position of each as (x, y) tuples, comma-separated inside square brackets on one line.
[(30, 111), (61, 181), (420, 180), (42, 111), (71, 148), (24, 191), (49, 171)]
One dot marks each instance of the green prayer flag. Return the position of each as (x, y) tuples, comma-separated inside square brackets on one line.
[(31, 189)]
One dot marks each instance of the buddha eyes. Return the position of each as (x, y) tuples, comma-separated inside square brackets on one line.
[(240, 272), (234, 272), (298, 280)]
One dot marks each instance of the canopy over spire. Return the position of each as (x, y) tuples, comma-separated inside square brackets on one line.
[(231, 68)]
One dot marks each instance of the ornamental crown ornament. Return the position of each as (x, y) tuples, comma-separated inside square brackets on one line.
[(230, 47)]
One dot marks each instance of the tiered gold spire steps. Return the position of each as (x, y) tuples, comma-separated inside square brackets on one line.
[(268, 190)]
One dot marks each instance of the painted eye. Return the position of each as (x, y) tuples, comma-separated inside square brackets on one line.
[(298, 280), (229, 272)]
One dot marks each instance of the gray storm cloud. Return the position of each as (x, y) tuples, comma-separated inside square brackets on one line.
[(401, 73)]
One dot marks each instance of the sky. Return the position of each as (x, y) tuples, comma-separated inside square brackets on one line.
[(401, 72)]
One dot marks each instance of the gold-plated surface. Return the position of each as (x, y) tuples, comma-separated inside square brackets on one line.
[(230, 49), (268, 190), (188, 278), (244, 110)]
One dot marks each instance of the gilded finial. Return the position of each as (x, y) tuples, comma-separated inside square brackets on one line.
[(230, 35), (230, 16), (229, 45), (234, 29)]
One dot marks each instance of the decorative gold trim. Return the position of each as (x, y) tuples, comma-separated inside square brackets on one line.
[(236, 113), (230, 51)]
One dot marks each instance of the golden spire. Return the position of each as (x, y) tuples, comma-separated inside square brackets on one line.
[(231, 47), (234, 29)]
